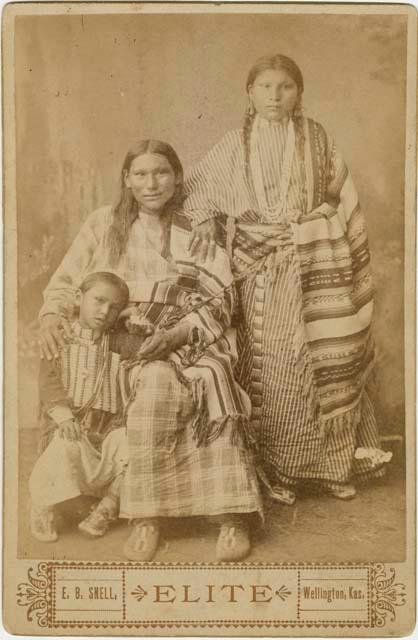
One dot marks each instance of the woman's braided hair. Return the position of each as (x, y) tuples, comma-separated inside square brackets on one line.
[(125, 211), (266, 63)]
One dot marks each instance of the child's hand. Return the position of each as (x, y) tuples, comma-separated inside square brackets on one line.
[(69, 430)]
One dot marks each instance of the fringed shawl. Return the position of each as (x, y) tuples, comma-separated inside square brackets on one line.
[(200, 294), (337, 291)]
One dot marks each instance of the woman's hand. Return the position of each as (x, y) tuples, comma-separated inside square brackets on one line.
[(162, 343), (202, 242), (53, 333), (69, 430)]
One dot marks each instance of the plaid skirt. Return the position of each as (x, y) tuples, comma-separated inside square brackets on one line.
[(167, 474)]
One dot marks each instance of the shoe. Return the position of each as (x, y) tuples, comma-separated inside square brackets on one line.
[(344, 492), (97, 522), (375, 457), (142, 544), (42, 524), (233, 541), (276, 491), (281, 494)]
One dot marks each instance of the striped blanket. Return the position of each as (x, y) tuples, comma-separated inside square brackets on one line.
[(337, 299), (179, 288), (323, 223), (201, 295)]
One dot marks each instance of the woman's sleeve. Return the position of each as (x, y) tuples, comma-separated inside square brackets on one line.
[(209, 184), (60, 292)]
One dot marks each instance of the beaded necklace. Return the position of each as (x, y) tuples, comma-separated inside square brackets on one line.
[(272, 213)]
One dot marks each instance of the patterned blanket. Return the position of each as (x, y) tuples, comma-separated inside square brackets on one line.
[(202, 295), (337, 298), (322, 222)]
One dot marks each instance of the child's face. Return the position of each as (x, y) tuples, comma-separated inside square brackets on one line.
[(100, 306)]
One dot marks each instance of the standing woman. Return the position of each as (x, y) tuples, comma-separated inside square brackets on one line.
[(301, 262)]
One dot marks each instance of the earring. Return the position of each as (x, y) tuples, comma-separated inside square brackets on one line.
[(250, 108)]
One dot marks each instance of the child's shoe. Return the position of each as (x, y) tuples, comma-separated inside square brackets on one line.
[(42, 524), (98, 521)]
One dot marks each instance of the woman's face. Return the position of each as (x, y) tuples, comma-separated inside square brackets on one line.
[(274, 94), (152, 181)]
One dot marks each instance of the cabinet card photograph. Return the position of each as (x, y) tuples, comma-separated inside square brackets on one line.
[(209, 258)]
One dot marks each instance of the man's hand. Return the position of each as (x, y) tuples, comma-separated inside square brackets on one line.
[(69, 430), (162, 343), (202, 242), (54, 331)]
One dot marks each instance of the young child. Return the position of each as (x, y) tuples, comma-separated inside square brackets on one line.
[(84, 447)]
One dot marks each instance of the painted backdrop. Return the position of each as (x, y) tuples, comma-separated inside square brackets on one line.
[(88, 87)]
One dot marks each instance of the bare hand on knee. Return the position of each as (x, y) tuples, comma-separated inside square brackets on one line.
[(69, 430)]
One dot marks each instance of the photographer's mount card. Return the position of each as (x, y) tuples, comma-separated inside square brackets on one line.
[(210, 222)]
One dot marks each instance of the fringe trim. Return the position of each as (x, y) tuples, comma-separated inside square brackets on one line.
[(205, 430), (349, 418)]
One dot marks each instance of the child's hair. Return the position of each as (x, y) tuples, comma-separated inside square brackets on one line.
[(110, 278)]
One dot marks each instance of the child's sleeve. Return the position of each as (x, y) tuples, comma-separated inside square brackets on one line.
[(52, 394)]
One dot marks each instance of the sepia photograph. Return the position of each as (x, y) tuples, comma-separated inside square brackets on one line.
[(210, 274)]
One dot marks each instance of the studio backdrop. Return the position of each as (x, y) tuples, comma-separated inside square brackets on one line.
[(88, 87)]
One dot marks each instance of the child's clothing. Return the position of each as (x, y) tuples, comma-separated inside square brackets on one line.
[(83, 385), (68, 469)]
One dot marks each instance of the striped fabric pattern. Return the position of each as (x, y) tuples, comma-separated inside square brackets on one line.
[(305, 299), (168, 475), (330, 241), (292, 444), (192, 399), (218, 184), (199, 294), (81, 363)]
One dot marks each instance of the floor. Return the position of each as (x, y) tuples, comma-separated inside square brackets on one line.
[(317, 528)]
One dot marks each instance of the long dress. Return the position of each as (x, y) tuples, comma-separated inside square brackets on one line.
[(301, 262), (186, 417)]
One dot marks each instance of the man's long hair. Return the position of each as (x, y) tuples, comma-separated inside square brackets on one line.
[(125, 212)]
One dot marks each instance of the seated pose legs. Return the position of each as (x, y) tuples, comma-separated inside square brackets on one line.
[(169, 476), (189, 442), (82, 444)]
